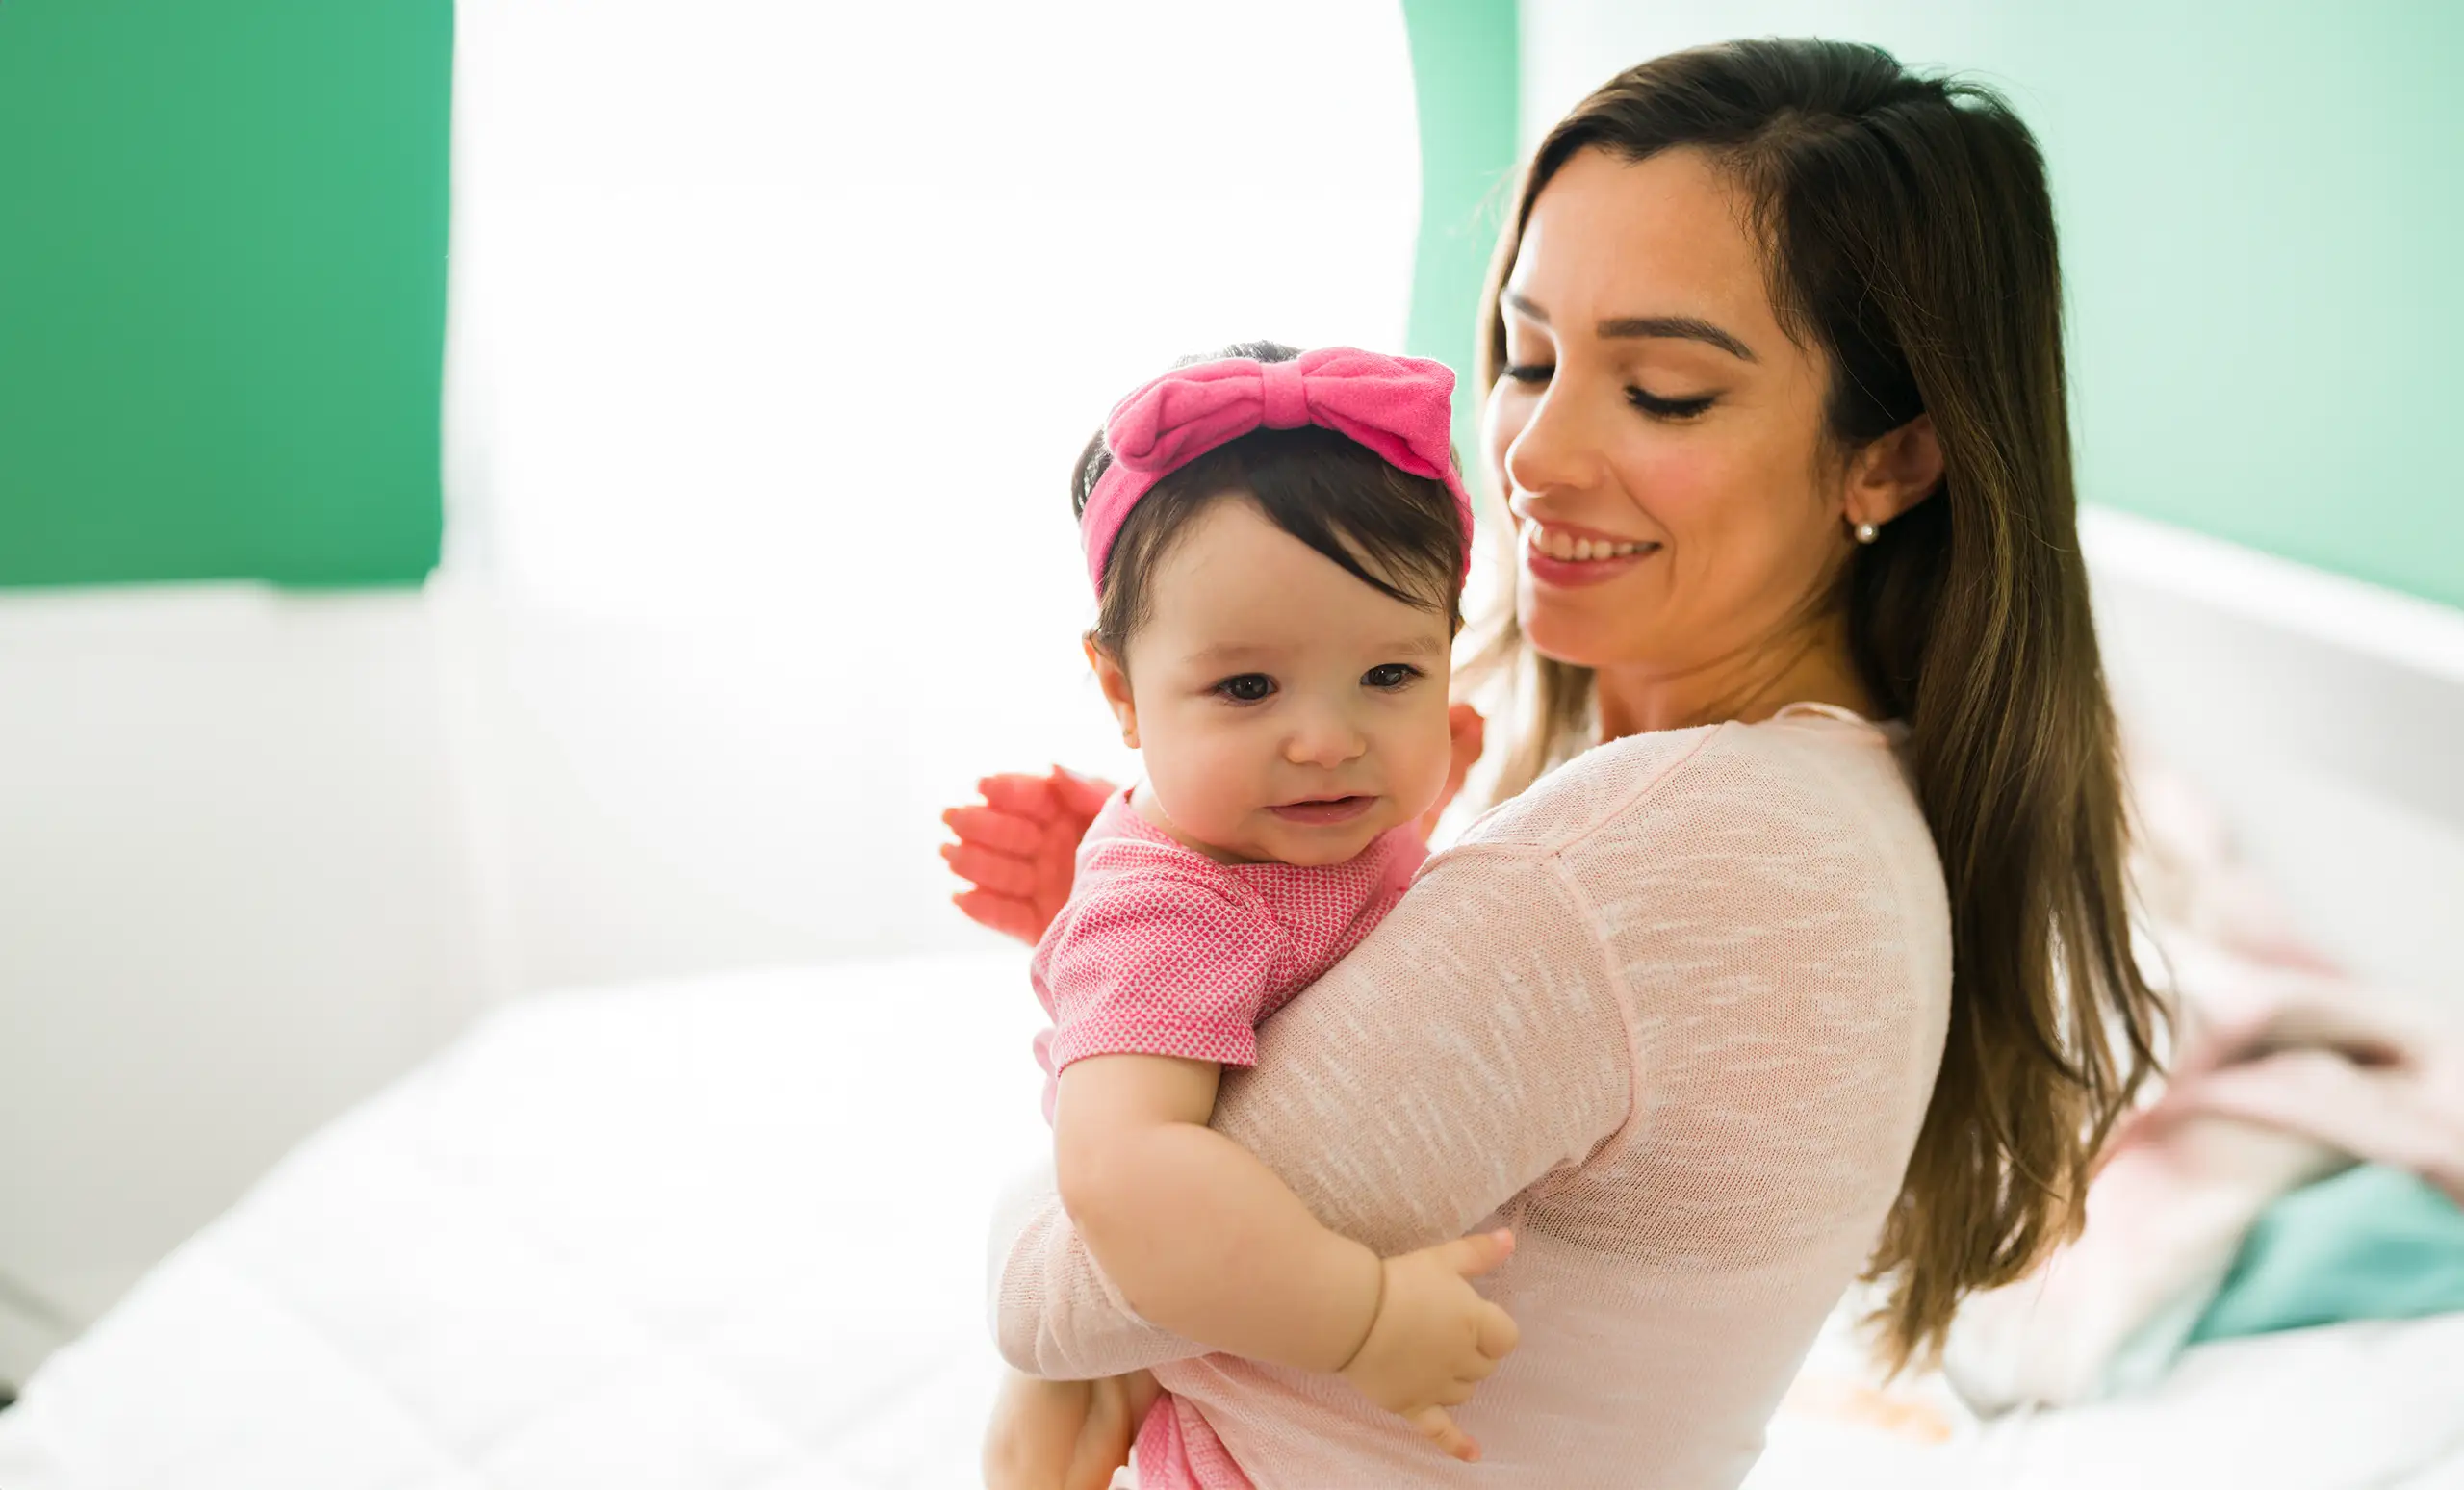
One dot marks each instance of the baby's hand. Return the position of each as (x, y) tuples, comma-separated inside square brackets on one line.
[(1465, 732), (1435, 1338)]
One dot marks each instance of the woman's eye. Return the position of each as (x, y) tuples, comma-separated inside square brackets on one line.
[(1530, 374), (1667, 408), (1390, 674), (1246, 687)]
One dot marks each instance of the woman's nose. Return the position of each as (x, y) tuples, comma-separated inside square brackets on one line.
[(1326, 738), (1554, 450)]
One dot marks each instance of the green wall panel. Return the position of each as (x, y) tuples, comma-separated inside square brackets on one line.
[(222, 233), (2262, 208), (1464, 80)]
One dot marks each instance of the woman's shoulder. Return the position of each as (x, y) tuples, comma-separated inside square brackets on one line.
[(1601, 784), (1804, 772)]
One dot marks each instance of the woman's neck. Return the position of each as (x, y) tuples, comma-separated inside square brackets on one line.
[(1807, 664)]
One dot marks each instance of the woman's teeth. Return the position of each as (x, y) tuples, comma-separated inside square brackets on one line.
[(1558, 545)]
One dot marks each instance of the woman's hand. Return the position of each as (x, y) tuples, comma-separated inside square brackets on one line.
[(1466, 730), (1017, 847), (1434, 1338)]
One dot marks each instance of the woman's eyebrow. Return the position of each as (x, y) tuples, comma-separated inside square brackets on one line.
[(1689, 328)]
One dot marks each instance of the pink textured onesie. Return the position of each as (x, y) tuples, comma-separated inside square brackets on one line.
[(1163, 951)]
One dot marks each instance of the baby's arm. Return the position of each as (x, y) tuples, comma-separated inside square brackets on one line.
[(1198, 1236), (1205, 1241)]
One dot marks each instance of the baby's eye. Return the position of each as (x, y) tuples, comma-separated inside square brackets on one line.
[(1390, 676), (1245, 687)]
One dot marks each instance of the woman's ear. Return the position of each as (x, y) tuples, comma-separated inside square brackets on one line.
[(1113, 679), (1895, 473)]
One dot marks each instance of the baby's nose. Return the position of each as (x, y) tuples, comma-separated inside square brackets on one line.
[(1326, 738)]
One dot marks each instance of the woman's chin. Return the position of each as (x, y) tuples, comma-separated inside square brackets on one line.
[(1574, 633)]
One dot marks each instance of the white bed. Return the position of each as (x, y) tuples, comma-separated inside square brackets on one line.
[(650, 1236), (659, 1237), (669, 1236)]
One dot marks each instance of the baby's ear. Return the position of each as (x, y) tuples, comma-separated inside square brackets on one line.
[(1113, 679)]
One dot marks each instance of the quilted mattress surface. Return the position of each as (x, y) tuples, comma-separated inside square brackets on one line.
[(679, 1236)]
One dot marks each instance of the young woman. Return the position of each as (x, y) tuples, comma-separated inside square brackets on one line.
[(1798, 949)]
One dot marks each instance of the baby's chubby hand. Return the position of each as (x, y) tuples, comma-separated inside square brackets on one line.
[(1434, 1338), (1466, 733)]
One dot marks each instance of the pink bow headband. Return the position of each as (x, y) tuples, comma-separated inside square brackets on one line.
[(1400, 407)]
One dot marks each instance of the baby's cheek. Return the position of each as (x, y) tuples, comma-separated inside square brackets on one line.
[(1217, 774), (1429, 753)]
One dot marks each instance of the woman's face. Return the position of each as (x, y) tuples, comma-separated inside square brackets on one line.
[(1659, 436)]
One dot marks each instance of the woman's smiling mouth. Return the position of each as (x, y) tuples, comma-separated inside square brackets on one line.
[(1570, 556)]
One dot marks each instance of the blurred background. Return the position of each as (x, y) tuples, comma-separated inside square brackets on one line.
[(534, 494)]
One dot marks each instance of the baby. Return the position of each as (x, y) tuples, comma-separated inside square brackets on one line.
[(1278, 543)]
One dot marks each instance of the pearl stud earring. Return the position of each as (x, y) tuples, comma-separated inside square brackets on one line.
[(1867, 532)]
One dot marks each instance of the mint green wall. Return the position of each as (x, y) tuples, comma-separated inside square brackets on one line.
[(223, 228), (1464, 79), (2262, 210)]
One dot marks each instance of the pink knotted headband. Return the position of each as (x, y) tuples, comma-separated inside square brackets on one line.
[(1402, 408)]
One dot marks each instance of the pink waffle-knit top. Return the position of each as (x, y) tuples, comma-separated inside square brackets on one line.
[(1161, 950), (1674, 1013)]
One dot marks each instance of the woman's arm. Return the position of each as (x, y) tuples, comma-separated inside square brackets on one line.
[(1470, 1045), (1017, 847)]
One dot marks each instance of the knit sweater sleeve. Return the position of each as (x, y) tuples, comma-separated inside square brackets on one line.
[(1471, 1047)]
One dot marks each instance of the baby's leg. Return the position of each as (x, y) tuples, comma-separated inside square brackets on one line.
[(1117, 1408), (1064, 1435), (1033, 1440)]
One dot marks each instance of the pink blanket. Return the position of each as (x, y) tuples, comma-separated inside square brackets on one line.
[(2284, 1071)]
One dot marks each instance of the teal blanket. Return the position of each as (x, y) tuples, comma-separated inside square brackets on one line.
[(2369, 1244)]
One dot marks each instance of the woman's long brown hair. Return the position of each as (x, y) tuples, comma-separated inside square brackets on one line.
[(1910, 237)]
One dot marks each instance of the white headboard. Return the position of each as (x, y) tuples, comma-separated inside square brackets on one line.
[(2326, 716)]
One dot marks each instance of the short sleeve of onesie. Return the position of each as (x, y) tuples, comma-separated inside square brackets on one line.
[(1159, 963)]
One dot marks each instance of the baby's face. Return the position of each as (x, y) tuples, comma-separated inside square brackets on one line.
[(1285, 710)]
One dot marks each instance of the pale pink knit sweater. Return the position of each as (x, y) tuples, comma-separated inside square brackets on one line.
[(1674, 1015)]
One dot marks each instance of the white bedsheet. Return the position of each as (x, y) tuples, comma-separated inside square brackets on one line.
[(663, 1237), (675, 1236), (2378, 1405)]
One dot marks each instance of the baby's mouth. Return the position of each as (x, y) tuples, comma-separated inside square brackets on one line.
[(1323, 812)]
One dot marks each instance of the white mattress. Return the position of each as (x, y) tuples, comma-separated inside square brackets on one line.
[(2379, 1405), (727, 1234)]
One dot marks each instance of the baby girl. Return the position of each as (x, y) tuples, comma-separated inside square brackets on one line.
[(1278, 543)]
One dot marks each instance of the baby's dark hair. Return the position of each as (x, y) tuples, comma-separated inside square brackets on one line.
[(1323, 488)]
